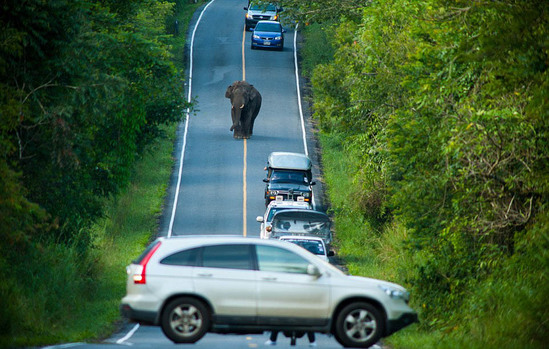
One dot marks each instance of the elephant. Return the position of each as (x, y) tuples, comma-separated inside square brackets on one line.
[(245, 105)]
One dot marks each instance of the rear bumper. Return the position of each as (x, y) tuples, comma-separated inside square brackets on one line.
[(141, 316), (398, 324)]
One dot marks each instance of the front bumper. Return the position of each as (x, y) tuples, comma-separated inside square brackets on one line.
[(283, 196), (404, 320), (267, 43)]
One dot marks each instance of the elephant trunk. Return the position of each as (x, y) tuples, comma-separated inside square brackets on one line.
[(236, 116)]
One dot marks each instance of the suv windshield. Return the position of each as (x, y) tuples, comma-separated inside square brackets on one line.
[(281, 176), (262, 7)]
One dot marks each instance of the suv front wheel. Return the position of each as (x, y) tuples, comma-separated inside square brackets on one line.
[(185, 320), (358, 325)]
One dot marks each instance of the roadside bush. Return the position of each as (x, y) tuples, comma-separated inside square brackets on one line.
[(442, 107)]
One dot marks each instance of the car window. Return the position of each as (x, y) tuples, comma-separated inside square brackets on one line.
[(273, 211), (268, 27), (288, 177), (227, 256), (271, 258), (263, 7), (315, 247), (183, 258)]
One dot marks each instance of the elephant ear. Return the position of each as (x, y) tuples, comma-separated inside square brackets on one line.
[(229, 91), (252, 93)]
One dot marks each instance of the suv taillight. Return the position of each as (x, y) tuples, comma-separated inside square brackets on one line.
[(139, 276)]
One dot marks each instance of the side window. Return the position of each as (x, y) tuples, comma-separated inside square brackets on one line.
[(271, 258), (183, 258), (227, 256)]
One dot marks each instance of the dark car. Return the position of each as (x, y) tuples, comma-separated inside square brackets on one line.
[(268, 34), (289, 177)]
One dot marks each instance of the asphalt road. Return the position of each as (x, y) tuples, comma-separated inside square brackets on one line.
[(216, 186), (221, 187)]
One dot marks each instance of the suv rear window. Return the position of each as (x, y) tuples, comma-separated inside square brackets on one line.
[(183, 258)]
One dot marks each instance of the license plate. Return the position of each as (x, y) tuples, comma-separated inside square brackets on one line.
[(266, 43), (300, 199), (279, 198)]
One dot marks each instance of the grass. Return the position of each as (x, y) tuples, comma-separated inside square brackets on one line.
[(81, 299)]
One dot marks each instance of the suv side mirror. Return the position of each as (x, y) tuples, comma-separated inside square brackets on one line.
[(245, 8), (330, 253), (260, 220), (266, 180), (312, 183), (313, 271)]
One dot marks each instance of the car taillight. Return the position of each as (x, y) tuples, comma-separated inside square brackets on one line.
[(139, 276)]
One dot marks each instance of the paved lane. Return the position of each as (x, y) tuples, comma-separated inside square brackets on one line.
[(215, 197)]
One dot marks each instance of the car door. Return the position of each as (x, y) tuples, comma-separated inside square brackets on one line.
[(286, 293), (225, 276)]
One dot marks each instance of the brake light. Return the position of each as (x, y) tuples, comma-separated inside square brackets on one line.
[(139, 277)]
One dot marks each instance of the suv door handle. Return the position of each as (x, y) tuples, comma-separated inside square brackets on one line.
[(269, 278)]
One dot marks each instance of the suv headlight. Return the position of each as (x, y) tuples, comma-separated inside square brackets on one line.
[(278, 37), (395, 293)]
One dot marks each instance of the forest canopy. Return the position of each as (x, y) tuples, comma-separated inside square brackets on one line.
[(85, 86)]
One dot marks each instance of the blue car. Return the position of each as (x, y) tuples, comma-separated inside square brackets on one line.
[(268, 34)]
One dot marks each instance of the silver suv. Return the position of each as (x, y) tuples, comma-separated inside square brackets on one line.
[(274, 207), (261, 11), (192, 285)]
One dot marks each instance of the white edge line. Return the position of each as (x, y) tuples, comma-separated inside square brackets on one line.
[(182, 156), (68, 345), (299, 93), (300, 107), (128, 336)]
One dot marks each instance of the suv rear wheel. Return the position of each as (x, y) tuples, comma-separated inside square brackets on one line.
[(358, 325), (185, 320)]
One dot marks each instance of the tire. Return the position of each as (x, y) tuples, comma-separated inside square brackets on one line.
[(359, 325), (185, 320)]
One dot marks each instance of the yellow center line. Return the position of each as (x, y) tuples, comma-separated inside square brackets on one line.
[(244, 184)]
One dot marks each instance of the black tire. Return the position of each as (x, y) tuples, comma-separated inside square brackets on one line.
[(185, 320), (359, 325)]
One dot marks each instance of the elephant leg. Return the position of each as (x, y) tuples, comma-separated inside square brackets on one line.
[(238, 132), (255, 111), (252, 126), (247, 125)]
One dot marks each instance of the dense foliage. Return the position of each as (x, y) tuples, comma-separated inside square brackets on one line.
[(445, 105), (85, 86)]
